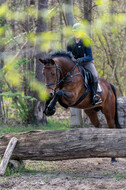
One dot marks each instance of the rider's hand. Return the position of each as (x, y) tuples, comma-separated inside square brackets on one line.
[(80, 60)]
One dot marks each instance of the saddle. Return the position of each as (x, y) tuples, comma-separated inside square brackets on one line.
[(88, 79)]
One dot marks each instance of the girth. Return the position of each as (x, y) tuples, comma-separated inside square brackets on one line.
[(82, 97)]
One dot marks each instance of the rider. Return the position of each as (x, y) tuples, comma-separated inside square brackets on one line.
[(80, 47)]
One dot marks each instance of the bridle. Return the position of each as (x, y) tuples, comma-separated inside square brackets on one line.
[(60, 81), (57, 77)]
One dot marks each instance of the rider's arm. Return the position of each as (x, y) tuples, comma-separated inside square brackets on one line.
[(68, 48), (88, 56)]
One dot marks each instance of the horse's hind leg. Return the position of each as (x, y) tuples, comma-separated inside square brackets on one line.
[(110, 119), (92, 114), (109, 112)]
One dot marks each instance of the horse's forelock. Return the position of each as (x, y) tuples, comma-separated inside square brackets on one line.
[(67, 55)]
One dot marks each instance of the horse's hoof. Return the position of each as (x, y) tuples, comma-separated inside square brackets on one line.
[(49, 112), (113, 160)]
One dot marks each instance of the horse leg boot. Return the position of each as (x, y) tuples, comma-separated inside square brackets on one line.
[(55, 99), (47, 112), (50, 109), (96, 99)]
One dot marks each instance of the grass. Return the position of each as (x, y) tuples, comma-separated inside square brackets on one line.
[(120, 176), (51, 125), (41, 166)]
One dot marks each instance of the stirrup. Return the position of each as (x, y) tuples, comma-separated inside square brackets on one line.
[(99, 101), (96, 99)]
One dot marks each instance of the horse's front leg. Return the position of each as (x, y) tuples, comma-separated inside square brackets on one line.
[(50, 108), (47, 103)]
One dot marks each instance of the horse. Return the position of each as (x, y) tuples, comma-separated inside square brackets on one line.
[(65, 84)]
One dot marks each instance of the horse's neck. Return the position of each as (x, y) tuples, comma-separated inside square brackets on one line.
[(65, 65)]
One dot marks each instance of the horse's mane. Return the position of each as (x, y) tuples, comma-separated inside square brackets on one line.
[(64, 54)]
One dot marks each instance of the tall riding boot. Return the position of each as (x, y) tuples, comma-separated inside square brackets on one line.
[(96, 99)]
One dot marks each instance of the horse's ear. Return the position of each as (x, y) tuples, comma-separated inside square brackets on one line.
[(52, 62), (43, 61)]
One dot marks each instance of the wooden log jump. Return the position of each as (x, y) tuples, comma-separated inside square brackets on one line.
[(67, 144)]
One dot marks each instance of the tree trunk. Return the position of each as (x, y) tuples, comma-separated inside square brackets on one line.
[(76, 117), (2, 49), (87, 16), (87, 10), (67, 144), (41, 27), (68, 4)]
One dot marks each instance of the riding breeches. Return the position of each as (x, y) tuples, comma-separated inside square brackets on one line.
[(91, 67)]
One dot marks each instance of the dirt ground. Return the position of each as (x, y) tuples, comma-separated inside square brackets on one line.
[(81, 174)]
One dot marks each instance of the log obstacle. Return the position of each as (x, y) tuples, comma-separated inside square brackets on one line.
[(67, 144)]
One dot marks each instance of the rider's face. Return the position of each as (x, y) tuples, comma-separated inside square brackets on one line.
[(79, 34)]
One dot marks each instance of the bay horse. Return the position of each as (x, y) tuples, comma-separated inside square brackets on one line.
[(65, 84)]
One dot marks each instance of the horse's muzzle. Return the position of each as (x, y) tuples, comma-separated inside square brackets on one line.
[(49, 112)]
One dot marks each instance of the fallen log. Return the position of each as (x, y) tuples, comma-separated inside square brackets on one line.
[(67, 144)]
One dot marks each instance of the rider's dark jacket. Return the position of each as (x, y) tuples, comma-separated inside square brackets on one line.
[(79, 50)]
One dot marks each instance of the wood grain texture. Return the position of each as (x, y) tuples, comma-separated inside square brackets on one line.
[(67, 144), (8, 152)]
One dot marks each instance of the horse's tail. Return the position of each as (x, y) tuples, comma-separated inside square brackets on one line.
[(117, 125)]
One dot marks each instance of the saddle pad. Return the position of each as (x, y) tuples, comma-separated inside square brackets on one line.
[(99, 89)]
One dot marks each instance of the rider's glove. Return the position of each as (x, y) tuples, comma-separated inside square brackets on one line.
[(80, 60)]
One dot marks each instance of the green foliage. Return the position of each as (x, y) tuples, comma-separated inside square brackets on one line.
[(19, 103), (51, 125), (3, 9), (12, 75), (12, 171)]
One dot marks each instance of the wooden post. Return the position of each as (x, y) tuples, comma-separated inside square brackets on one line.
[(7, 155)]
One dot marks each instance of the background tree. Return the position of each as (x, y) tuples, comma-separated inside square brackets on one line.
[(41, 27), (87, 10), (2, 111), (76, 118), (18, 73), (109, 44)]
